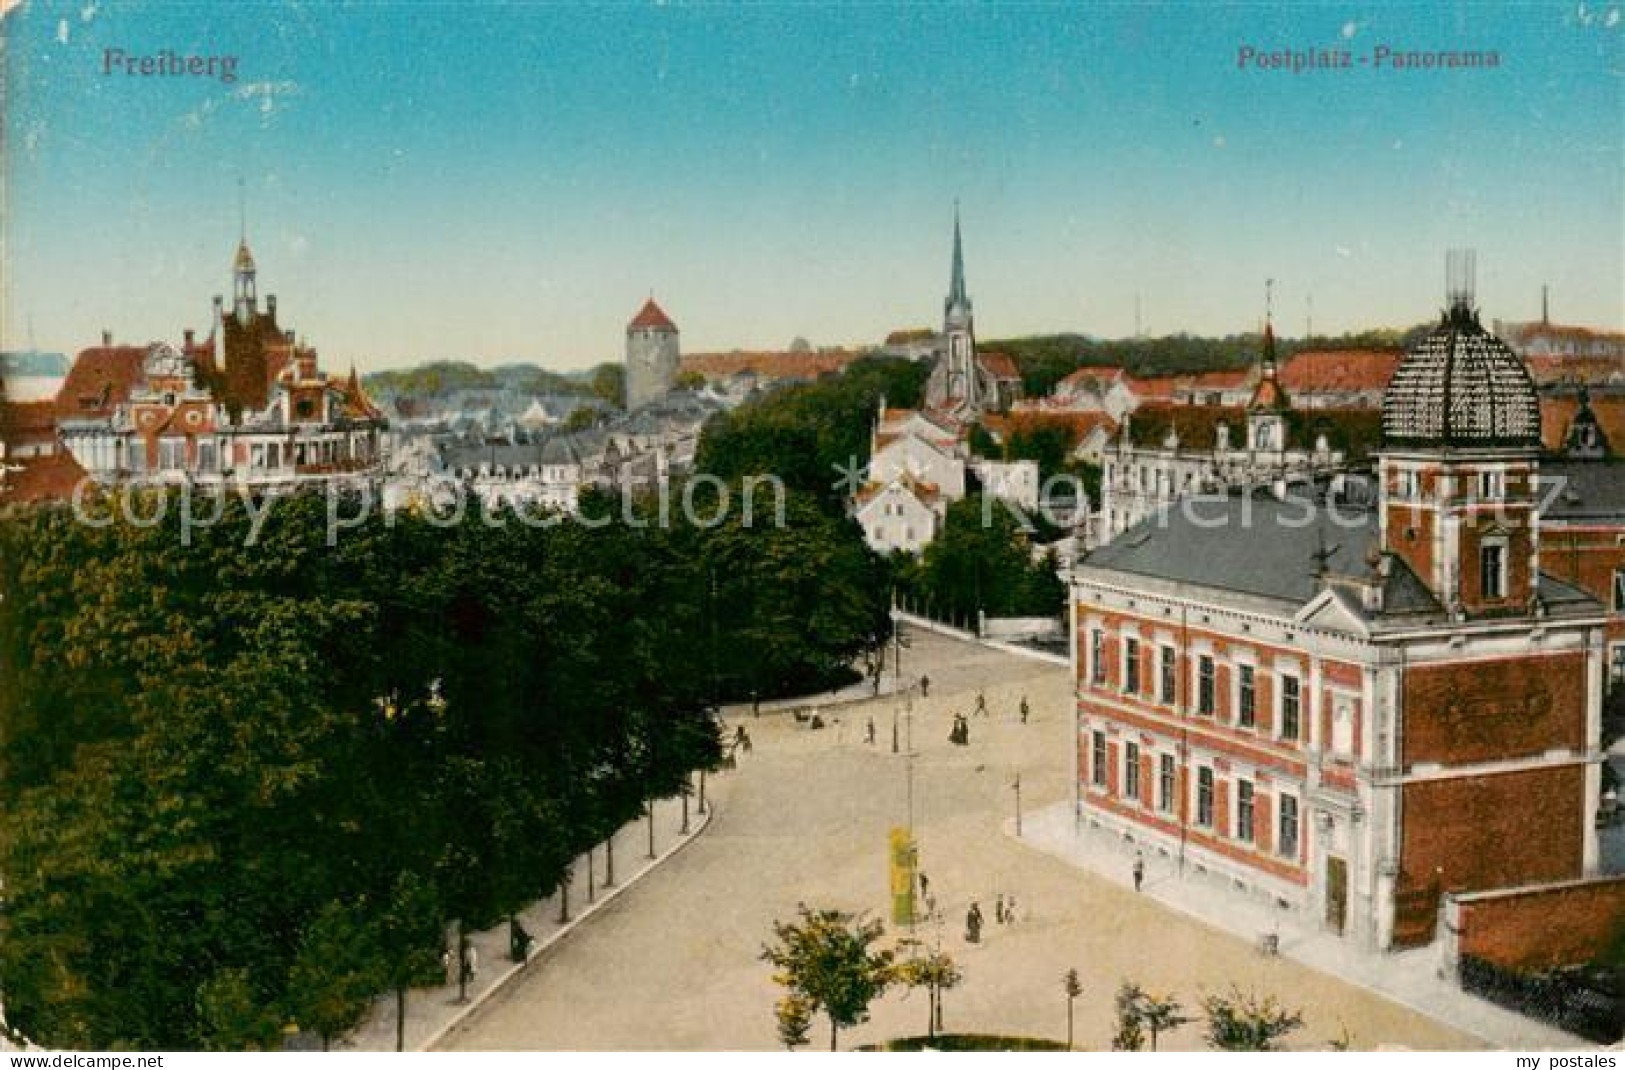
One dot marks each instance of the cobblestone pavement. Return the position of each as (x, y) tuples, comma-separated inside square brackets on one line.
[(673, 963)]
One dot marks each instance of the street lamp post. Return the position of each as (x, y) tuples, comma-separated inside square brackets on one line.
[(650, 807)]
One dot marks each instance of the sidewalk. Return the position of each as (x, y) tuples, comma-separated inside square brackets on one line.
[(1407, 978), (431, 1013)]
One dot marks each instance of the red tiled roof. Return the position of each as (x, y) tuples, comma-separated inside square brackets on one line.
[(651, 317), (1102, 374), (768, 364), (38, 479), (1340, 370), (1559, 368), (1197, 425), (1000, 365), (27, 421), (101, 379), (1077, 425)]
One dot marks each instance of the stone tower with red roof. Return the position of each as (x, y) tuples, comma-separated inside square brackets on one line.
[(652, 355)]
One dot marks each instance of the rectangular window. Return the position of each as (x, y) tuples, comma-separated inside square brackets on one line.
[(1616, 665), (1246, 713), (1204, 797), (1286, 841), (1166, 677), (1291, 707), (1492, 571), (1097, 656), (1244, 810), (1491, 486), (1131, 666), (1131, 771), (171, 453), (1205, 685), (1097, 759), (1165, 784), (1619, 590)]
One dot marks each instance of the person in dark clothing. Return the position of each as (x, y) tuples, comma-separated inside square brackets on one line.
[(1139, 871), (925, 687)]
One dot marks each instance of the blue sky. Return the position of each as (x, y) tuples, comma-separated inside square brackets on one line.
[(502, 181)]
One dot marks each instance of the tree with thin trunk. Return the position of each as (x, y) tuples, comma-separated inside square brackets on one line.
[(936, 973), (1074, 989), (826, 959), (1160, 1014)]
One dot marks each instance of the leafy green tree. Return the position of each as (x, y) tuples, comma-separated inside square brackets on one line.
[(982, 561), (1073, 989), (609, 383), (936, 972), (1247, 1022), (232, 1016), (794, 1014), (335, 973), (1130, 1033), (827, 960)]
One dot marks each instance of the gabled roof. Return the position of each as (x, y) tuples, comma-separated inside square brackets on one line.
[(651, 317), (1340, 370), (999, 365), (100, 380), (1090, 377)]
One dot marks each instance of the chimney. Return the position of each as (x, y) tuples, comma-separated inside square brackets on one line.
[(270, 305), (189, 334), (1545, 315), (107, 337)]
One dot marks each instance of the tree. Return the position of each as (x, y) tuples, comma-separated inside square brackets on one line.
[(1246, 1022), (609, 383), (1161, 1014), (335, 973), (689, 380), (826, 960), (581, 417), (232, 1016), (794, 1014), (935, 972), (1130, 1034), (1073, 988)]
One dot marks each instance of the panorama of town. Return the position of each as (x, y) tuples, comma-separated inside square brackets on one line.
[(1248, 692)]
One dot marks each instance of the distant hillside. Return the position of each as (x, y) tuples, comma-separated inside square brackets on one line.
[(443, 377), (1045, 360)]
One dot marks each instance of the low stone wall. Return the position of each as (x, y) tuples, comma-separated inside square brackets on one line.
[(1535, 928), (1021, 628)]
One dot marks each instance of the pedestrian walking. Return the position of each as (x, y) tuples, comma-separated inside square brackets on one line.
[(1010, 910), (1139, 870), (981, 704), (871, 732), (998, 909), (925, 687), (973, 924), (471, 962), (925, 885), (1024, 709), (445, 966)]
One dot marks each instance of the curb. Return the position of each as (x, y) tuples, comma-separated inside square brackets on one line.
[(518, 969)]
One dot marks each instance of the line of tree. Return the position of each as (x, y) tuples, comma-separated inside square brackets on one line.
[(1045, 360), (242, 785)]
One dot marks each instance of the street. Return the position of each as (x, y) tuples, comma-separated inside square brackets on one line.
[(674, 963)]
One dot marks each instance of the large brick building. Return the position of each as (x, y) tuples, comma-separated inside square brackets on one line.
[(1356, 697)]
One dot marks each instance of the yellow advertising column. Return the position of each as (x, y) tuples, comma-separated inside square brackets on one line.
[(903, 862)]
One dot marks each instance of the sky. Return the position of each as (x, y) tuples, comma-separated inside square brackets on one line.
[(499, 182)]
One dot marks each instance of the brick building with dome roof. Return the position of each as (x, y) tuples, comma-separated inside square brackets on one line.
[(1371, 703)]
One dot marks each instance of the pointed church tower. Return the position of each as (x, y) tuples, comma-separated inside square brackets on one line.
[(961, 385), (1266, 412)]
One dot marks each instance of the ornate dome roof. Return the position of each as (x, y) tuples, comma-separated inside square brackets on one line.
[(244, 261), (1461, 387)]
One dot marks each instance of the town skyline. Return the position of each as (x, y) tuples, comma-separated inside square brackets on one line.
[(769, 175)]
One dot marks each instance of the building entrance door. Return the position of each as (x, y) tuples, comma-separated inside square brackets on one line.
[(1337, 893)]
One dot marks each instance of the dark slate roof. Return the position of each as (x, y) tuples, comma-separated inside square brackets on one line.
[(1461, 386), (1252, 545), (1579, 491)]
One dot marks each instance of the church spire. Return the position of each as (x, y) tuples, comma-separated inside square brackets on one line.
[(1269, 393), (958, 301)]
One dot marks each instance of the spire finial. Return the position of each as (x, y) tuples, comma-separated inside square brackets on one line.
[(242, 210), (1269, 328), (957, 299)]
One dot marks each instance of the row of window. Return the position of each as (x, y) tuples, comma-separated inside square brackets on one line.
[(1289, 720), (1243, 827), (1490, 485)]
